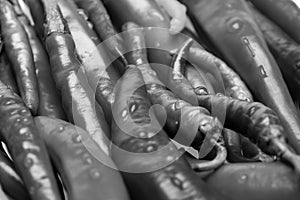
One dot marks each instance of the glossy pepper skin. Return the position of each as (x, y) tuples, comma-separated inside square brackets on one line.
[(18, 50), (77, 102), (10, 181), (255, 121), (189, 125), (147, 13), (258, 181), (49, 98), (235, 33), (160, 43), (26, 147), (156, 174), (36, 9), (198, 80), (101, 76), (285, 50), (102, 24), (85, 176), (240, 151), (285, 13), (6, 73)]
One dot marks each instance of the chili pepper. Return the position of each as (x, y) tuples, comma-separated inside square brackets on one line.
[(36, 10), (285, 50), (199, 82), (50, 104), (26, 147), (84, 175), (234, 86), (159, 40), (6, 73), (176, 80), (20, 56), (162, 174), (234, 147), (284, 12), (181, 116), (147, 13), (251, 150), (258, 181), (255, 121), (235, 33), (103, 26), (66, 69), (10, 181), (101, 76)]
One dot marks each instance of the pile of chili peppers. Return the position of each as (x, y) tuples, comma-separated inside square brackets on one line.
[(99, 100)]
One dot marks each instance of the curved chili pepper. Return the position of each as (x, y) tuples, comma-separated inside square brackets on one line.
[(103, 26), (65, 69), (179, 58), (198, 81), (6, 73), (10, 181), (285, 50), (234, 147), (218, 161), (84, 175), (181, 116), (20, 55), (236, 34), (234, 86), (257, 181), (285, 13), (252, 151), (50, 104), (101, 77), (166, 175), (26, 147), (257, 122)]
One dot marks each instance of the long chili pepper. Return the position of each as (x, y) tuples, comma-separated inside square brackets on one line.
[(156, 172), (259, 181), (6, 73), (20, 56), (235, 33), (85, 176), (10, 181), (181, 116), (49, 99), (101, 76), (285, 13), (65, 69), (255, 121), (285, 50), (103, 26), (26, 147), (36, 10)]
